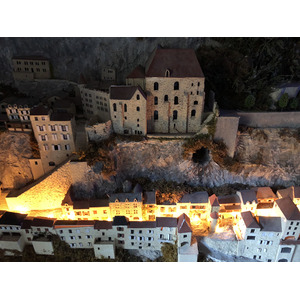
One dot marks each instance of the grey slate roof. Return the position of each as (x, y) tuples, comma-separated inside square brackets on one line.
[(61, 116), (166, 222), (120, 220), (99, 203), (124, 92), (229, 199), (270, 224), (40, 110), (143, 224), (297, 191), (123, 196), (248, 196), (42, 222), (30, 57), (11, 218), (288, 208), (181, 63), (150, 197), (285, 193), (103, 225), (198, 197), (249, 220), (30, 102), (137, 188), (74, 223)]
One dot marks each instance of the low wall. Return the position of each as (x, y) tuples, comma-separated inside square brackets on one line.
[(289, 119), (99, 131)]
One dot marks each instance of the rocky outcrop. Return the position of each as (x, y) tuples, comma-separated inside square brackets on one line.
[(15, 150)]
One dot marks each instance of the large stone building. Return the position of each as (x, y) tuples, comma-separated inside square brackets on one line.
[(31, 67), (55, 135), (174, 84)]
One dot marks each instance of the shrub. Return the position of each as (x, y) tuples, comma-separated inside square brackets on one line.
[(169, 252), (249, 102)]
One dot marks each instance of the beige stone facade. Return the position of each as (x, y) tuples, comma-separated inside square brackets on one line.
[(31, 67), (108, 74), (128, 110), (55, 135), (95, 102)]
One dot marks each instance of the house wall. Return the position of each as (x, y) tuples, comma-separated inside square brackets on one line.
[(133, 121), (136, 82), (132, 210), (285, 253), (99, 132), (27, 69), (36, 168), (105, 250), (108, 74), (12, 243), (95, 103), (49, 141), (43, 247), (187, 95), (184, 239)]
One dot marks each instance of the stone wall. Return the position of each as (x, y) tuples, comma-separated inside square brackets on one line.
[(47, 192), (99, 131), (190, 97)]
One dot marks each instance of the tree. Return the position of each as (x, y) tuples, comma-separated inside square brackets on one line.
[(249, 101), (169, 252), (293, 103), (283, 101)]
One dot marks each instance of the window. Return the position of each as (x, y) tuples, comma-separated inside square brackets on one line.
[(193, 113), (88, 236), (166, 98), (174, 115), (155, 86), (269, 260), (176, 85), (125, 107), (137, 108), (120, 229), (290, 228), (131, 231), (36, 163), (121, 242), (51, 163), (254, 256), (250, 237), (70, 231), (252, 230), (176, 100), (195, 102), (155, 115), (138, 97), (64, 127), (120, 235), (297, 223), (155, 101), (185, 236), (67, 147), (292, 223), (198, 84), (115, 107), (140, 231)]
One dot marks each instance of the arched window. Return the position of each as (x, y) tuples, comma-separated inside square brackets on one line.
[(176, 85), (155, 115), (283, 260), (175, 100), (155, 86), (198, 83), (155, 101), (195, 102), (115, 106), (137, 97), (166, 98), (167, 73), (137, 108), (175, 115), (125, 107), (193, 113)]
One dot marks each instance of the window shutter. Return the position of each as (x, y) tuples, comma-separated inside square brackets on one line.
[(59, 147), (60, 127), (62, 136), (53, 147), (68, 137), (67, 128), (46, 136), (44, 127), (56, 128), (38, 128), (49, 127), (40, 138)]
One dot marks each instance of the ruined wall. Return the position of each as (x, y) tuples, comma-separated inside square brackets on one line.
[(46, 193), (99, 131)]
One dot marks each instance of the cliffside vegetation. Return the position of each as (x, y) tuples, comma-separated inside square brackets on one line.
[(237, 68)]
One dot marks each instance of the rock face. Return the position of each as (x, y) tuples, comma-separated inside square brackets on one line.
[(15, 151), (72, 56)]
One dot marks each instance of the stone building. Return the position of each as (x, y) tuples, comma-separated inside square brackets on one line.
[(128, 106), (95, 100), (17, 111), (31, 67), (174, 84), (55, 135)]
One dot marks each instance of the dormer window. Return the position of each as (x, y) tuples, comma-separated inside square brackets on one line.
[(117, 200), (137, 97), (167, 73), (176, 85)]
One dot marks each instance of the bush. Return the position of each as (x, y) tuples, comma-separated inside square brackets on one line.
[(249, 102), (169, 252), (283, 101)]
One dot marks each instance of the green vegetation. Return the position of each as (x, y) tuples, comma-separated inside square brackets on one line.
[(283, 101), (249, 102), (169, 252), (293, 103), (238, 67)]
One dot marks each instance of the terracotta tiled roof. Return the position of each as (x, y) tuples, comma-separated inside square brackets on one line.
[(248, 196), (138, 72), (103, 225), (198, 197), (249, 220), (184, 224), (40, 110), (297, 191), (264, 193), (166, 222), (180, 62), (11, 218), (288, 208), (143, 224), (213, 200), (124, 92)]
